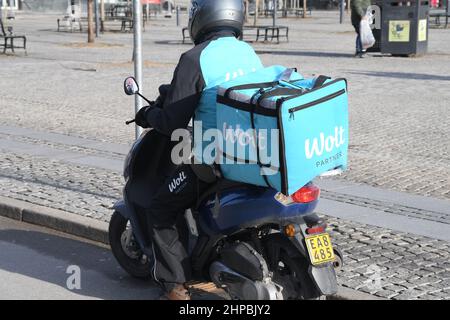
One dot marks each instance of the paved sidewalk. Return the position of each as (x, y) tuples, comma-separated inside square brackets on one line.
[(63, 139)]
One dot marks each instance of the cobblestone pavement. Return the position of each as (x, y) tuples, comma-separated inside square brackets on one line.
[(399, 106), (399, 123), (378, 261), (391, 264), (396, 209)]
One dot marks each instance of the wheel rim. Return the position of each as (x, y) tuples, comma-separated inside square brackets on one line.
[(285, 275), (130, 246)]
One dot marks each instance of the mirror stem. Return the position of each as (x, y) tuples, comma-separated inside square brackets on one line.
[(140, 95)]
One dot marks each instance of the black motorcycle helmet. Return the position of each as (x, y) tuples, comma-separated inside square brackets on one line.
[(215, 15)]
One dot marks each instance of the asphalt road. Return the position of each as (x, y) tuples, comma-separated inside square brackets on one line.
[(38, 263)]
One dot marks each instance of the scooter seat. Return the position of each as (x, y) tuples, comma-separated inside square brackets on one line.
[(221, 185)]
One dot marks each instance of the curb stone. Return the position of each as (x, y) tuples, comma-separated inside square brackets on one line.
[(97, 231), (59, 220)]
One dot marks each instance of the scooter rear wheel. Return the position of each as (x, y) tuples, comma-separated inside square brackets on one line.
[(131, 259), (290, 269)]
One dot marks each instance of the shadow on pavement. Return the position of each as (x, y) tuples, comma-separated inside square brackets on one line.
[(174, 42), (306, 53), (46, 257), (402, 75)]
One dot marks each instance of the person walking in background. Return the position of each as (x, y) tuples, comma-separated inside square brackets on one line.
[(359, 8)]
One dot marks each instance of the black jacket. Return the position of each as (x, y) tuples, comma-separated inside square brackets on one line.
[(185, 90), (179, 100)]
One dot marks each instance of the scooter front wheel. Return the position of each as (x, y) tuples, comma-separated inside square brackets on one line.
[(126, 250)]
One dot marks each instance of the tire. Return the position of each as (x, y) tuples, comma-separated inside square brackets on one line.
[(139, 267), (290, 269)]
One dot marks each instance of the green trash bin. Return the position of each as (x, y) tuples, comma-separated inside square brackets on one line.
[(404, 29)]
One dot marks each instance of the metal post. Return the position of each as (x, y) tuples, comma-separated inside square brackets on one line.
[(137, 23), (275, 5), (102, 15), (178, 16), (341, 11), (97, 18)]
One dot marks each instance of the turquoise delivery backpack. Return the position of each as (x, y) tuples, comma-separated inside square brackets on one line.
[(281, 130)]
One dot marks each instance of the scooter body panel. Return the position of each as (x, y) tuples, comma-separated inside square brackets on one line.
[(247, 207), (222, 214)]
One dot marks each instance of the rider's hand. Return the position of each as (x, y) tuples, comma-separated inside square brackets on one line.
[(163, 91), (141, 118)]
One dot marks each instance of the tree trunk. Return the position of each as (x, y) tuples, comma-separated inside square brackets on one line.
[(255, 21), (90, 12), (304, 8), (102, 10), (246, 10)]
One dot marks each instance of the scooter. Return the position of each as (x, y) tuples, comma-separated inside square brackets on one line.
[(253, 242)]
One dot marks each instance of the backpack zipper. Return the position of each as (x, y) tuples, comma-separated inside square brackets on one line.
[(316, 102)]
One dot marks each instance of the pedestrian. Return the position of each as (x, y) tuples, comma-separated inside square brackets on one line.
[(359, 8)]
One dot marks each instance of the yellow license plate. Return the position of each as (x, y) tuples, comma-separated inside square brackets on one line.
[(320, 248)]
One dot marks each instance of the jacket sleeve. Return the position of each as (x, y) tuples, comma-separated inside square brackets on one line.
[(359, 7), (182, 97)]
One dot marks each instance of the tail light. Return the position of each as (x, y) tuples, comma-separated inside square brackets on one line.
[(308, 193), (316, 229)]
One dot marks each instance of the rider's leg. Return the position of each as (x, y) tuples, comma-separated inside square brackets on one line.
[(178, 193)]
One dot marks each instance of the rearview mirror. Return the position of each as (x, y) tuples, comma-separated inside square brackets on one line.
[(130, 86)]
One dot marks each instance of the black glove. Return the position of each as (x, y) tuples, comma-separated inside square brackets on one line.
[(163, 91), (141, 117)]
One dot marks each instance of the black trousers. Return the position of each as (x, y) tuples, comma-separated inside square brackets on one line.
[(179, 192)]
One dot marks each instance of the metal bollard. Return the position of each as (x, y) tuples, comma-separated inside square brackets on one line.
[(275, 7)]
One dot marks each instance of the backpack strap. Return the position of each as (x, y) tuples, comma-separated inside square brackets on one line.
[(286, 75), (261, 85), (258, 157), (320, 81), (279, 92)]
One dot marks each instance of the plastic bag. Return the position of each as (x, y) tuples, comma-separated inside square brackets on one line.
[(365, 32)]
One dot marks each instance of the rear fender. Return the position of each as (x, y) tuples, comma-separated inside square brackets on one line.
[(324, 276)]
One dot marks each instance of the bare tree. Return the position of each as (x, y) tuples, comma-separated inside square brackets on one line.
[(256, 12), (246, 10), (102, 10), (90, 12), (304, 8)]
